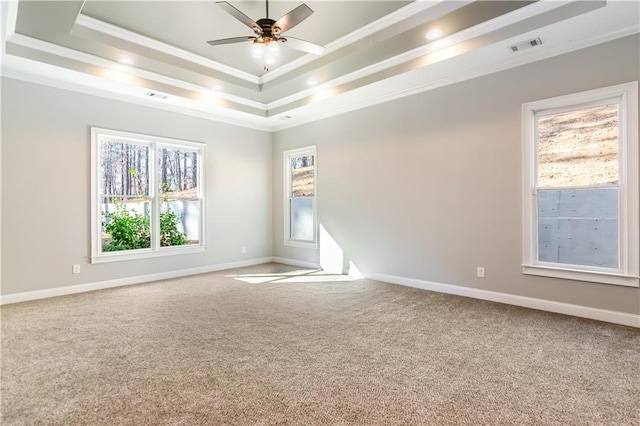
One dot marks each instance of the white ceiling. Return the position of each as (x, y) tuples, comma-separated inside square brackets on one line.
[(375, 50)]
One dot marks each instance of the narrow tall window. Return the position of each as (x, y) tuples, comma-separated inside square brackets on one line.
[(580, 186), (147, 196), (300, 197)]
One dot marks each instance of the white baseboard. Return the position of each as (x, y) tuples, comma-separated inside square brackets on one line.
[(293, 262), (510, 299), (100, 285)]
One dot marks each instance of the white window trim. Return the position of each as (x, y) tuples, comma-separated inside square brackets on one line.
[(629, 220), (309, 150), (97, 255)]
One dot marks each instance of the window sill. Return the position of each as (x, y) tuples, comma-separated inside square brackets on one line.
[(147, 254), (582, 275), (301, 244)]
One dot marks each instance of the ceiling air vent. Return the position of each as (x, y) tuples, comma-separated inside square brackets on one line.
[(526, 45), (157, 95)]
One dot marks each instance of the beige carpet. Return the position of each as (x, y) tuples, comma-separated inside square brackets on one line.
[(269, 345)]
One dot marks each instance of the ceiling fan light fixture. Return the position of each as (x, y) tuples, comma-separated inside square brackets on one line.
[(273, 49), (267, 49), (257, 50)]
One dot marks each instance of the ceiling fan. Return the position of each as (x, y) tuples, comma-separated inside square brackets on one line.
[(268, 33)]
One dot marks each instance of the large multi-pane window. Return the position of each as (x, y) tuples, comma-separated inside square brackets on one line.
[(300, 197), (581, 186), (147, 196)]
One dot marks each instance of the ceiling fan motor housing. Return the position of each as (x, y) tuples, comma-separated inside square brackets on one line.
[(266, 27)]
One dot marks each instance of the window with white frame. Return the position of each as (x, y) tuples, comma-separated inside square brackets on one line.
[(147, 196), (580, 186), (300, 197)]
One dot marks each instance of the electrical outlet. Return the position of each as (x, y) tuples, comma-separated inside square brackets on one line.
[(244, 250), (76, 269), (480, 271)]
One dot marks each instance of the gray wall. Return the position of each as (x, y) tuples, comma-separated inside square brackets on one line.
[(425, 187), (46, 153), (429, 186)]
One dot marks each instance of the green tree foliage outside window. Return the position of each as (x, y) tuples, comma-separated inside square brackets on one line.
[(169, 233), (131, 230), (128, 230)]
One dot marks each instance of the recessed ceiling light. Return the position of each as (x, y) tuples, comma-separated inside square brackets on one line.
[(216, 87), (312, 82), (124, 60), (433, 34)]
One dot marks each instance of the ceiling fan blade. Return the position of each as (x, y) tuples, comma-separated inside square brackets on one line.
[(230, 40), (305, 46), (292, 18), (240, 16)]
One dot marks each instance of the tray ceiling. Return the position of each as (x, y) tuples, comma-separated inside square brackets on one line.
[(375, 50)]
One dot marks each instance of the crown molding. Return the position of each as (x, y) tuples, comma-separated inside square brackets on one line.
[(403, 86), (432, 48), (62, 78), (65, 52), (368, 30), (35, 72), (393, 18), (135, 38), (10, 19), (406, 84)]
